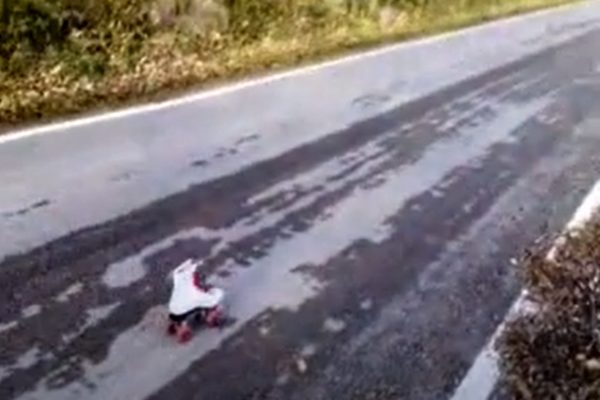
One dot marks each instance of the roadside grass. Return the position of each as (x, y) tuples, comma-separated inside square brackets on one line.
[(91, 74), (554, 351)]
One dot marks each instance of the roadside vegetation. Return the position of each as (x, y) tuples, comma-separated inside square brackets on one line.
[(60, 57), (553, 351)]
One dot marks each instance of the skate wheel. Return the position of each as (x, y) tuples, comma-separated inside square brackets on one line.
[(171, 329), (214, 318), (184, 334)]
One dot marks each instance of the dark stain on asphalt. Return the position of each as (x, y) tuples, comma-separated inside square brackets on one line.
[(422, 362), (370, 100), (402, 253), (23, 211), (384, 271), (247, 139), (123, 176), (199, 163)]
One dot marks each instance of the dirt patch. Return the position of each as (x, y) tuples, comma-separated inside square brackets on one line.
[(554, 352)]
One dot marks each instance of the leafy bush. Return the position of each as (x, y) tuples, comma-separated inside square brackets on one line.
[(29, 28), (36, 25), (62, 56)]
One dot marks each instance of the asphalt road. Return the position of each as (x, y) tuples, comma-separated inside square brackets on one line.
[(362, 217)]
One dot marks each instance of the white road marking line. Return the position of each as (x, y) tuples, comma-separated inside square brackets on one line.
[(586, 210), (253, 82), (480, 380)]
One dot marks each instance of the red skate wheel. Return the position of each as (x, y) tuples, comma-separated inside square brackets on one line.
[(214, 318), (184, 334)]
